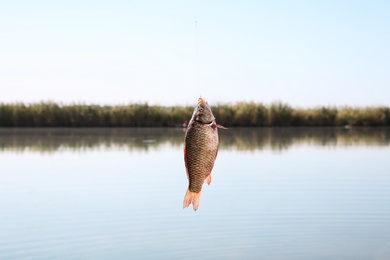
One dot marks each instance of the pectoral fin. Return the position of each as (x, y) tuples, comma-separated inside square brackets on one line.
[(222, 127)]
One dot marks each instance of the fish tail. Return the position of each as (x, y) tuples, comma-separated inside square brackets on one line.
[(191, 197)]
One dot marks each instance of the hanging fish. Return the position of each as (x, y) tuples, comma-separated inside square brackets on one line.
[(200, 151)]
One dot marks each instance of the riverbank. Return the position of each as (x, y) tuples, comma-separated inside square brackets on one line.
[(240, 114)]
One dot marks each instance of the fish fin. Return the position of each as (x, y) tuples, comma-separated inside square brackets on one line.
[(221, 126), (214, 125), (191, 197), (208, 179)]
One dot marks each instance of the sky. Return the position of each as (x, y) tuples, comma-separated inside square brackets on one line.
[(303, 53)]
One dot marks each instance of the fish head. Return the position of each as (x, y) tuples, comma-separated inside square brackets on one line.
[(202, 112)]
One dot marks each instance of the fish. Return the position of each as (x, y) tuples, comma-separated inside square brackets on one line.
[(200, 151)]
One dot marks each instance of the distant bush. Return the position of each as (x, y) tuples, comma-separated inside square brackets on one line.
[(50, 114)]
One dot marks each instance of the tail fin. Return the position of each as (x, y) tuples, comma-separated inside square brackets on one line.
[(191, 197)]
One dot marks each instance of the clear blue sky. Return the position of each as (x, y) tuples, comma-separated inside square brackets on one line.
[(304, 53)]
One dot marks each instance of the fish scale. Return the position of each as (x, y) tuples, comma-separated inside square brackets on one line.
[(201, 147)]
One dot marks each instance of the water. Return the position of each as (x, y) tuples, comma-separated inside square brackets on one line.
[(117, 194)]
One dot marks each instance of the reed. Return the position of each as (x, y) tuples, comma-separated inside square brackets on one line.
[(240, 114)]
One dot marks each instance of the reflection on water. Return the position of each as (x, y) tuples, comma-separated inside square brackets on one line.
[(108, 203), (57, 139)]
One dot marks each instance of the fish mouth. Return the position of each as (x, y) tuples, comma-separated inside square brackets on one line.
[(202, 100)]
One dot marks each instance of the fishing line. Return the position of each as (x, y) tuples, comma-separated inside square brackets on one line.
[(197, 85)]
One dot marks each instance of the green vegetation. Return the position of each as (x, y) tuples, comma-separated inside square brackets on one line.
[(49, 114)]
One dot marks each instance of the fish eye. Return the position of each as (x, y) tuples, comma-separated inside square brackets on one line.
[(200, 109)]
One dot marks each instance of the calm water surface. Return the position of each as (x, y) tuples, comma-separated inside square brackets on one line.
[(117, 194)]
